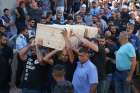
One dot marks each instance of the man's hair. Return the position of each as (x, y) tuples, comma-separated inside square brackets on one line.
[(59, 70), (94, 1), (23, 29), (70, 18), (83, 50), (2, 26), (2, 34), (31, 19), (102, 36), (48, 14), (6, 9), (21, 2)]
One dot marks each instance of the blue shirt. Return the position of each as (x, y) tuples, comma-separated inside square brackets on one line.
[(134, 40), (95, 11), (21, 42), (123, 57), (84, 75)]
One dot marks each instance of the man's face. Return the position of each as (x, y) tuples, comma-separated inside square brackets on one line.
[(132, 16), (83, 57), (118, 15), (79, 19), (34, 4), (59, 16), (113, 30), (124, 10), (70, 21), (25, 33), (130, 29), (102, 41), (23, 5), (138, 19), (43, 20), (83, 10), (110, 23), (94, 19), (108, 34), (32, 23), (7, 12), (64, 57), (114, 15), (94, 5), (2, 29), (3, 40), (114, 3)]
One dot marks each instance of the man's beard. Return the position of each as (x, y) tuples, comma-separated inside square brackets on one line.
[(3, 44), (34, 56)]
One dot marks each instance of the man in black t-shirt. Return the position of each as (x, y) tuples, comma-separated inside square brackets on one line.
[(33, 77), (6, 54), (62, 85)]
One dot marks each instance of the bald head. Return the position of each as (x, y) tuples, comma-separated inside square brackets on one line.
[(123, 37), (124, 34)]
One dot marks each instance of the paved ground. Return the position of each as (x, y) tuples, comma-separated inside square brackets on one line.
[(15, 90), (137, 85)]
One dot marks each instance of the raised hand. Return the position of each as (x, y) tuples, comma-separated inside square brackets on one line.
[(32, 44), (39, 42)]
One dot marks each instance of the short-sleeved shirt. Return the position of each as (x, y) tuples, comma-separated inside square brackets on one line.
[(134, 41), (95, 11), (21, 42), (63, 87), (123, 57), (84, 75), (34, 74)]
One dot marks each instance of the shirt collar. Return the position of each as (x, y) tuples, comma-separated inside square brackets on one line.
[(22, 36), (84, 64)]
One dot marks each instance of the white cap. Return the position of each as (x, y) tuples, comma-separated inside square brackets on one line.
[(83, 6), (91, 1), (124, 7)]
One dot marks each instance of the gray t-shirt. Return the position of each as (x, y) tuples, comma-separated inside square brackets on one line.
[(63, 87)]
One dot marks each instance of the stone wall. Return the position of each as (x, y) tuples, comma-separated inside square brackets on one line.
[(11, 4)]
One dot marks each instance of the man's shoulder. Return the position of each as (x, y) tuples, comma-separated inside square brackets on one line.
[(91, 65), (20, 37), (63, 87), (63, 83), (129, 45), (3, 17)]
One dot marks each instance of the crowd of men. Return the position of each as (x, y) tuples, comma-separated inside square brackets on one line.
[(105, 64)]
